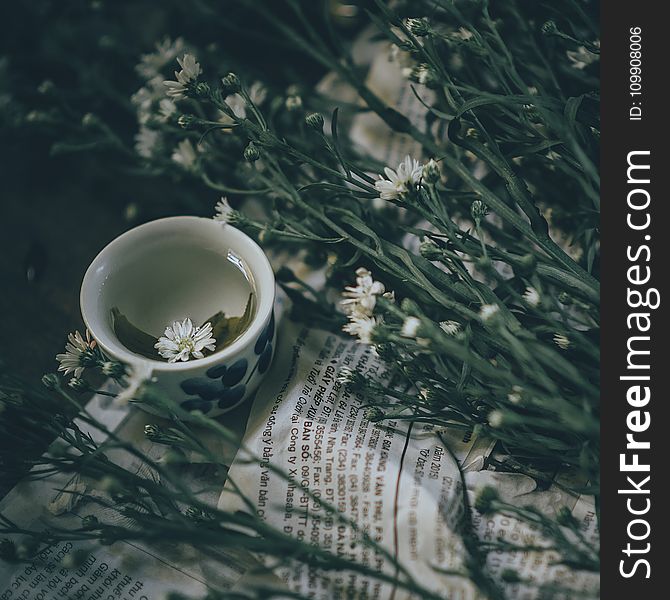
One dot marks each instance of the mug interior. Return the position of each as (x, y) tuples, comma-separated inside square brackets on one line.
[(170, 269)]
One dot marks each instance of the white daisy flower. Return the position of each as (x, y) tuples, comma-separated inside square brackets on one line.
[(224, 212), (190, 69), (361, 298), (488, 311), (76, 349), (531, 297), (399, 183), (146, 141), (450, 327), (185, 155), (362, 327), (410, 327), (182, 340), (175, 89)]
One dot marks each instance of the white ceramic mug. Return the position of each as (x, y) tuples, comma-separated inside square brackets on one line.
[(138, 272)]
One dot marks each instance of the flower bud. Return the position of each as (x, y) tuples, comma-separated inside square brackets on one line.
[(152, 431), (201, 90), (527, 262), (562, 341), (79, 385), (410, 327), (496, 418), (565, 298), (231, 83), (429, 250), (267, 235), (88, 358), (484, 264), (422, 74), (478, 210), (374, 414), (549, 27), (51, 381), (251, 153), (431, 172), (113, 369), (409, 306), (187, 121), (450, 327), (315, 121), (489, 312), (531, 297), (472, 133), (418, 27)]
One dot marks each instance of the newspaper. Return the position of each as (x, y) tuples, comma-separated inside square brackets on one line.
[(398, 482)]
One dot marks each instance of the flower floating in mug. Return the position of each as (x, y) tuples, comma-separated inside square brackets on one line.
[(183, 340)]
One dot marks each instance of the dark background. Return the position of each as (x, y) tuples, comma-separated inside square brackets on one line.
[(63, 199)]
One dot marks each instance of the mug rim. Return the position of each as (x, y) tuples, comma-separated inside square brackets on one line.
[(261, 273)]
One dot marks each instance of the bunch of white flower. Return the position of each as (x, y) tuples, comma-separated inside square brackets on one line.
[(359, 304)]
